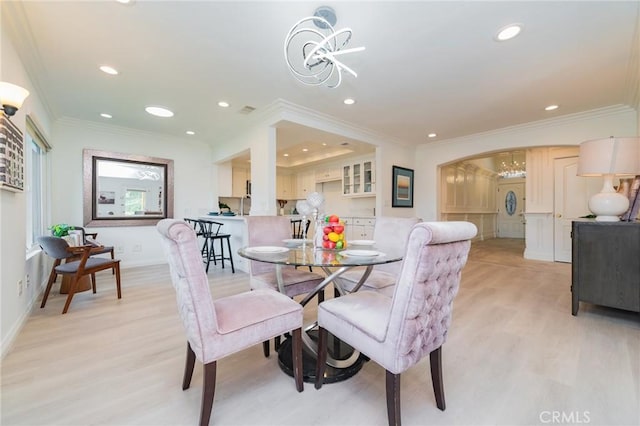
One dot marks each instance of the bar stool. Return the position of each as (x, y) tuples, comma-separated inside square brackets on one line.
[(297, 230), (211, 232)]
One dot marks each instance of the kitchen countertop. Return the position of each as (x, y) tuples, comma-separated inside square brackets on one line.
[(222, 217)]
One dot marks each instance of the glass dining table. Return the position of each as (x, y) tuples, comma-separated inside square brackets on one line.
[(342, 361)]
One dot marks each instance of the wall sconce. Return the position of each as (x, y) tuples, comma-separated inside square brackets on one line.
[(609, 158), (11, 97)]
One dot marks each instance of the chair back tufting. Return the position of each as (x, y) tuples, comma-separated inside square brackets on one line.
[(190, 282), (429, 280)]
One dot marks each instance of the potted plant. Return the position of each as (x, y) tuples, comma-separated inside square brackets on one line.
[(224, 206), (60, 230)]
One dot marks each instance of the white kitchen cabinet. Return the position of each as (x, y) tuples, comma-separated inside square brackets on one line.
[(286, 187), (306, 184), (328, 174), (358, 179), (362, 228), (240, 179)]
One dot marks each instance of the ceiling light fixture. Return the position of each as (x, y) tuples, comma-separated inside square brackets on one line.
[(513, 169), (159, 111), (108, 70), (551, 107), (190, 132), (105, 115), (305, 149), (311, 52), (223, 104), (432, 135), (11, 97), (349, 101), (508, 32), (285, 155)]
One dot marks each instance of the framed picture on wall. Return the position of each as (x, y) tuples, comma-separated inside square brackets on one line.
[(402, 187)]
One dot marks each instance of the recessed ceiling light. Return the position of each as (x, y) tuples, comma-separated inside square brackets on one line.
[(223, 104), (324, 144), (286, 155), (508, 32), (108, 70), (125, 1), (551, 107), (190, 132), (305, 149), (349, 101), (432, 135), (159, 111), (106, 115)]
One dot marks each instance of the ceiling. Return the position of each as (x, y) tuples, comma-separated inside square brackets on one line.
[(428, 66)]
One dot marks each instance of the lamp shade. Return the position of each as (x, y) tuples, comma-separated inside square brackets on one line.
[(608, 158), (615, 156), (12, 97)]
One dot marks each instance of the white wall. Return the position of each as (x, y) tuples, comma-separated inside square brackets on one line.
[(15, 307), (193, 181), (568, 130)]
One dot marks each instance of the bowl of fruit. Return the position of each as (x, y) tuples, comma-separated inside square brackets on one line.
[(333, 235)]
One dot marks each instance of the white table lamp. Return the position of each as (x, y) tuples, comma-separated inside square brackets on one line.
[(609, 158)]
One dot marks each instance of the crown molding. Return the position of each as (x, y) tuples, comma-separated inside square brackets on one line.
[(548, 122)]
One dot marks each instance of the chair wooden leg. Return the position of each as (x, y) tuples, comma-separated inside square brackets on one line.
[(393, 398), (118, 288), (296, 350), (52, 279), (265, 348), (435, 359), (276, 343), (188, 367), (208, 391), (93, 283), (321, 364), (72, 290)]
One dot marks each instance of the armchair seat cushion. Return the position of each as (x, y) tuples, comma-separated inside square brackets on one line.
[(376, 281), (257, 306), (296, 281), (265, 314), (71, 267), (357, 317)]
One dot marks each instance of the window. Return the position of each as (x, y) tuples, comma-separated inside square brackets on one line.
[(134, 201), (36, 184)]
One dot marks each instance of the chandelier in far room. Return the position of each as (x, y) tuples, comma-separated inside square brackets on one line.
[(512, 169)]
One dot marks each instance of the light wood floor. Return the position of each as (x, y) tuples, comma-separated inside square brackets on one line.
[(514, 356)]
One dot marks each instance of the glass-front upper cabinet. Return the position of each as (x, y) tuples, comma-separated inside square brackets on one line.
[(358, 179)]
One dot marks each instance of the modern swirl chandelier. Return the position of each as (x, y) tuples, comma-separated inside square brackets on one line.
[(311, 50)]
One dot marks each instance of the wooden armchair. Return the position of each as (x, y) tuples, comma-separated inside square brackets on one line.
[(79, 263)]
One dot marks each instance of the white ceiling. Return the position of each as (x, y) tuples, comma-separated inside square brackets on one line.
[(427, 67)]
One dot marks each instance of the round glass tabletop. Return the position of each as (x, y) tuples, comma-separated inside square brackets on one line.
[(306, 255)]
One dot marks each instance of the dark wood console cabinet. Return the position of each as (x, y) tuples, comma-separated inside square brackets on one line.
[(605, 264)]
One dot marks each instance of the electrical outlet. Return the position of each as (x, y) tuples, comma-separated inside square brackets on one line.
[(119, 249), (19, 287), (137, 248)]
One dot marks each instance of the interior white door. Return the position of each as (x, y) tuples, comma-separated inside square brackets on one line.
[(571, 201), (511, 207)]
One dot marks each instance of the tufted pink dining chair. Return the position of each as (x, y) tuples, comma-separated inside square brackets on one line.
[(398, 332), (271, 231), (217, 328), (389, 233)]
